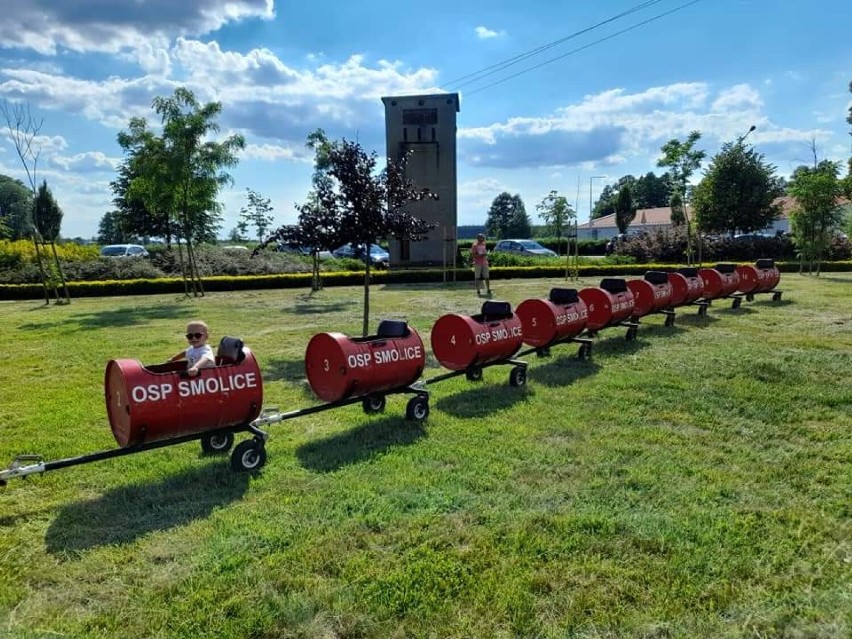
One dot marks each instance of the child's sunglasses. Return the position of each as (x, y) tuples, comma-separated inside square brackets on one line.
[(194, 335)]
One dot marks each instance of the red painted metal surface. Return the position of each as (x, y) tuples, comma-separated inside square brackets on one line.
[(544, 322), (720, 281), (462, 341), (608, 304), (687, 286), (651, 294), (146, 404), (760, 278), (339, 367)]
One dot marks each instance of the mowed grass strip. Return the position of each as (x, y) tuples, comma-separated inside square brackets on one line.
[(694, 482)]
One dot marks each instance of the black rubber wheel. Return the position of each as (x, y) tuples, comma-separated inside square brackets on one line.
[(631, 334), (776, 297), (248, 455), (736, 303), (214, 443), (702, 311), (585, 352), (474, 374), (749, 297), (518, 376), (417, 408), (544, 351), (373, 404)]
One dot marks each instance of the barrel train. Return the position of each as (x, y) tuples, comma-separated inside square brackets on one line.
[(155, 406)]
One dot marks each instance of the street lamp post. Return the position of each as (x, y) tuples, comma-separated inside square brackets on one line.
[(746, 134)]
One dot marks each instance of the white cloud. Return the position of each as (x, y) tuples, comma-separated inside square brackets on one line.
[(90, 161), (484, 33), (261, 95), (45, 26), (614, 126)]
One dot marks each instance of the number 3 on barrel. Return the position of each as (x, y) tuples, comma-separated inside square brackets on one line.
[(325, 365)]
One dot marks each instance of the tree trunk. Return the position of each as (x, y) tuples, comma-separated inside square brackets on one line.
[(316, 285), (61, 274), (41, 271), (365, 329), (183, 269)]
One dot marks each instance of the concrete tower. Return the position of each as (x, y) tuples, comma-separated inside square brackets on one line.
[(424, 127)]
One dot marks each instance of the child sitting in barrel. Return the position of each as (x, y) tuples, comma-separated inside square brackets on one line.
[(199, 354)]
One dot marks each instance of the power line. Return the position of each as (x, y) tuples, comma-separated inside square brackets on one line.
[(591, 44), (499, 66)]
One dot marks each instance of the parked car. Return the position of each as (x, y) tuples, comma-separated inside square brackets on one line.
[(528, 248), (379, 257), (124, 250), (306, 251)]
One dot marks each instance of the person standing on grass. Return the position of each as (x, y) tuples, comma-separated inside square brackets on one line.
[(479, 255)]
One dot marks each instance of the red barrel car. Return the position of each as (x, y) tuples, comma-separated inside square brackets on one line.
[(152, 403), (651, 294), (687, 286), (760, 278), (560, 317), (720, 281), (460, 342), (339, 367), (609, 304)]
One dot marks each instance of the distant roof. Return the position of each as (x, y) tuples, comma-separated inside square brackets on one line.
[(662, 215)]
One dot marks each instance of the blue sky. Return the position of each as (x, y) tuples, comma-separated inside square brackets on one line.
[(283, 69)]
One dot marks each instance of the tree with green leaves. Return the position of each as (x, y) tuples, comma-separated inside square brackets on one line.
[(24, 128), (317, 228), (367, 205), (178, 174), (738, 192), (111, 229), (257, 213), (625, 211), (557, 214), (508, 217), (16, 208), (648, 191), (818, 213), (48, 221), (682, 159)]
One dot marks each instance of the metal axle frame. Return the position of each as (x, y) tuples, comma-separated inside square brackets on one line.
[(584, 352), (19, 467), (475, 370), (776, 295)]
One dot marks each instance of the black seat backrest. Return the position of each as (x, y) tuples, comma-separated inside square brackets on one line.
[(726, 268), (392, 328), (230, 351), (493, 310), (657, 277), (564, 296), (765, 263), (614, 285), (688, 271)]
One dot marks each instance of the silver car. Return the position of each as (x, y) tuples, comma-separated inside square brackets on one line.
[(527, 248)]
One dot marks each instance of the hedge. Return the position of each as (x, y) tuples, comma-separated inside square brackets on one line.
[(303, 280)]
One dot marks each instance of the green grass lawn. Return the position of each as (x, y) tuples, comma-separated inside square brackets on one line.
[(696, 482)]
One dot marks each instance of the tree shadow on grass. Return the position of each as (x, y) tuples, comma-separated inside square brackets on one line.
[(614, 342), (563, 370), (118, 317), (767, 301), (310, 305), (488, 397), (694, 319), (124, 514), (360, 444), (727, 310)]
